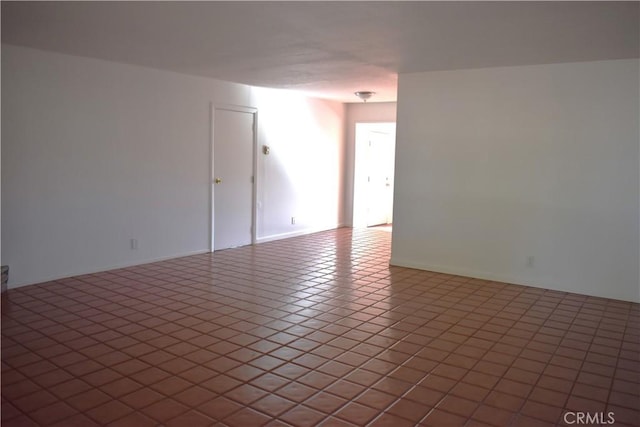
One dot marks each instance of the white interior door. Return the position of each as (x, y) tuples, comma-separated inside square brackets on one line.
[(233, 142), (380, 178)]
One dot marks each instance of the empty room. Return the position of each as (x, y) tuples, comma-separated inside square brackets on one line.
[(320, 213)]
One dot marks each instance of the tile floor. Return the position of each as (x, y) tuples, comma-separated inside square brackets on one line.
[(314, 330)]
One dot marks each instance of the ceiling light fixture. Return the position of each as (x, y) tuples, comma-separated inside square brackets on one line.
[(364, 94)]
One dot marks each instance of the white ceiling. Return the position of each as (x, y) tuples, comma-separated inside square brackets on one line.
[(328, 49)]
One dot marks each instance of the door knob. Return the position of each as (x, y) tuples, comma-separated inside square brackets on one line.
[(217, 180)]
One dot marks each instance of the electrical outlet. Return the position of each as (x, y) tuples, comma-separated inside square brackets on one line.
[(134, 244), (293, 220)]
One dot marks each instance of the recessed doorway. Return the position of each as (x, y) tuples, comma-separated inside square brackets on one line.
[(375, 145)]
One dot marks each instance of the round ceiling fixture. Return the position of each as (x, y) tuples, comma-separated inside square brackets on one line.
[(364, 94)]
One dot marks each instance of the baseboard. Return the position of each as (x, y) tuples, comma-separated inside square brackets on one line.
[(100, 270), (483, 275), (457, 271), (297, 233), (152, 260)]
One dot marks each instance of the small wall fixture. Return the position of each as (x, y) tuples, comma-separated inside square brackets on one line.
[(364, 94)]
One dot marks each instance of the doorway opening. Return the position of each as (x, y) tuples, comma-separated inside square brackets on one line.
[(375, 147)]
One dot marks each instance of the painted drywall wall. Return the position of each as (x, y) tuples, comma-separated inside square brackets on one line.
[(97, 153), (302, 176), (522, 174), (369, 112)]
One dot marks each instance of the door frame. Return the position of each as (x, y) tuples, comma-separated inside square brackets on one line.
[(358, 203), (254, 167)]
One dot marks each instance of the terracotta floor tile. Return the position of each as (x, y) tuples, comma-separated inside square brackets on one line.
[(271, 382), (437, 418), (541, 411), (245, 372), (376, 399), (88, 400), (171, 385), (20, 421), (493, 416), (581, 404), (273, 405), (624, 415), (318, 380), (38, 368), (194, 396), (19, 389), (590, 392), (101, 377), (120, 387), (219, 408), (505, 401), (312, 330), (8, 411), (157, 357), (410, 410), (220, 384), (150, 376), (246, 417), (53, 413), (134, 419), (481, 379), (222, 364), (424, 395), (197, 374), (177, 365), (356, 413), (296, 391), (325, 402), (470, 392), (439, 383), (246, 394), (513, 388), (392, 386), (130, 367), (335, 422), (389, 420), (345, 389), (449, 371), (32, 402), (291, 371), (83, 366), (191, 419), (165, 410), (302, 416), (550, 397), (109, 412), (78, 420), (141, 398), (458, 405)]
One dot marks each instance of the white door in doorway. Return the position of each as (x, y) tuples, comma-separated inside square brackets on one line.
[(233, 153), (381, 154)]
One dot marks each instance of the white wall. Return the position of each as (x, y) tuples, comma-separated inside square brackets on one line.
[(369, 112), (96, 153), (303, 174), (497, 165)]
